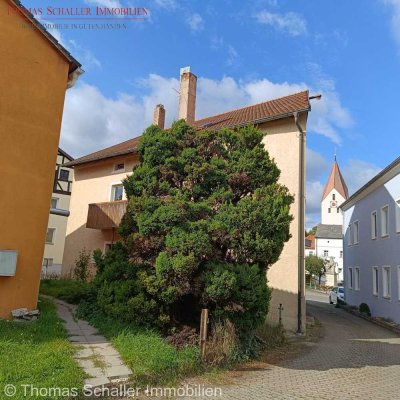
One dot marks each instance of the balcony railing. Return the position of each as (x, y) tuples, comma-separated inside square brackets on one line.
[(106, 215)]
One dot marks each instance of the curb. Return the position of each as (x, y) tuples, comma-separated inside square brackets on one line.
[(382, 324)]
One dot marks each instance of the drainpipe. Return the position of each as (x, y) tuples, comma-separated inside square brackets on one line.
[(301, 211)]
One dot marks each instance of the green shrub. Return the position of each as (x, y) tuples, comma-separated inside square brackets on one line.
[(206, 216), (81, 270), (66, 289), (364, 309)]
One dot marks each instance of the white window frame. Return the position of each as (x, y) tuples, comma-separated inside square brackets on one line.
[(57, 199), (356, 232), (385, 234), (349, 235), (398, 282), (350, 283), (386, 282), (50, 263), (112, 191), (357, 278), (397, 206), (374, 225), (375, 281), (341, 254), (53, 237), (327, 253), (118, 171)]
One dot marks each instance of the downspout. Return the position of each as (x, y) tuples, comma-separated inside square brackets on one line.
[(301, 227)]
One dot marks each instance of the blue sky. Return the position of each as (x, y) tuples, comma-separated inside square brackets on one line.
[(244, 52)]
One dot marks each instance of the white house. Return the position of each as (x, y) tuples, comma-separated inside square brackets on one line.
[(328, 238), (371, 244)]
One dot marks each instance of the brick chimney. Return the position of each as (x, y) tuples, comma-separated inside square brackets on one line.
[(187, 95), (159, 116)]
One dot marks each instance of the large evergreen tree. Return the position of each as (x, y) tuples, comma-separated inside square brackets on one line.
[(206, 217)]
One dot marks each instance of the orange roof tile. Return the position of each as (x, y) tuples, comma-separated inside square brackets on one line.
[(268, 110), (336, 181)]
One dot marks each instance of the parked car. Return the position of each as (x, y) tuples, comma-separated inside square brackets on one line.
[(336, 293)]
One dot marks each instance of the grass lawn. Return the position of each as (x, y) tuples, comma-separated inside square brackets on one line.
[(152, 360), (37, 353), (64, 289)]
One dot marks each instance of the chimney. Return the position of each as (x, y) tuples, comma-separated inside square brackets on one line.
[(187, 95), (159, 116)]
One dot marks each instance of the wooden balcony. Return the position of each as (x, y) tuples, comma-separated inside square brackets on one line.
[(106, 215)]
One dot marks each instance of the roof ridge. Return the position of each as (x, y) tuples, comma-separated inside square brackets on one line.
[(253, 105), (255, 113)]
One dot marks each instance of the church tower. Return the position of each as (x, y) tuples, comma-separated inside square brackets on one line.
[(334, 194)]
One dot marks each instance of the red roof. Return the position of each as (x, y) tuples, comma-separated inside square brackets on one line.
[(269, 110), (310, 242), (336, 181)]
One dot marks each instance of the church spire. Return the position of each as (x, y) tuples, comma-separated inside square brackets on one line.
[(335, 181)]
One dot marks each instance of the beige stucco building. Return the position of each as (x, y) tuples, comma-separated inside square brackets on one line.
[(57, 225), (98, 201)]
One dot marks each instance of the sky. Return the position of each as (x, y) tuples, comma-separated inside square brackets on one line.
[(244, 52)]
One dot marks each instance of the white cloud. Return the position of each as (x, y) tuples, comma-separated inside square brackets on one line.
[(216, 42), (317, 165), (292, 23), (232, 56), (93, 121), (357, 173), (116, 119), (313, 203), (395, 18), (195, 22), (105, 3), (83, 55), (166, 4)]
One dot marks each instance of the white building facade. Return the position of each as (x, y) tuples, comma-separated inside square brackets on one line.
[(371, 245), (57, 225), (329, 237)]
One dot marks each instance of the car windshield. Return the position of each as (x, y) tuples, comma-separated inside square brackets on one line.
[(341, 290)]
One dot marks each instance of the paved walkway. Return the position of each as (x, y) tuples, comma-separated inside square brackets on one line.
[(354, 360), (96, 355)]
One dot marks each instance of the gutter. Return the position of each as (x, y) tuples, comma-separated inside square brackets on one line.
[(301, 226)]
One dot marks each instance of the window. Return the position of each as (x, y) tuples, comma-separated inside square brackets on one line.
[(357, 278), (50, 235), (64, 175), (356, 232), (54, 202), (398, 282), (350, 284), (337, 210), (375, 281), (326, 253), (374, 226), (349, 235), (341, 254), (108, 247), (120, 167), (333, 196), (398, 216), (117, 192), (385, 221), (47, 262), (386, 282), (329, 210)]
